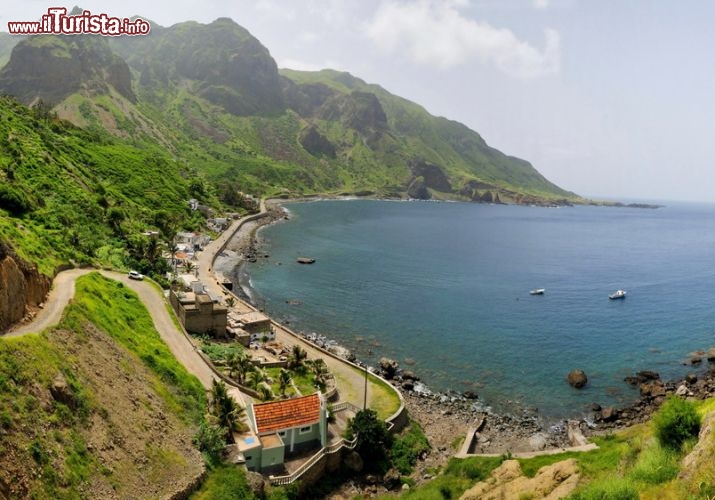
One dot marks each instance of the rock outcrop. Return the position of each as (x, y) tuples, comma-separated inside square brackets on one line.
[(22, 287), (50, 68), (508, 481)]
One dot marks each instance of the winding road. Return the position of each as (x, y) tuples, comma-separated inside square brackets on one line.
[(349, 379), (63, 288)]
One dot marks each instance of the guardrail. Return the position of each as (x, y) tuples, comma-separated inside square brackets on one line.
[(326, 450)]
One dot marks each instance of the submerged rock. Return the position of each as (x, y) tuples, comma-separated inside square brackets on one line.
[(577, 378)]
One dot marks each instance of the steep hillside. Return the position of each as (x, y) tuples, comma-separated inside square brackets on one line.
[(212, 96), (97, 408), (69, 195), (7, 42)]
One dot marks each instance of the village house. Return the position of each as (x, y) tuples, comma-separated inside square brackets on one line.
[(192, 241), (199, 312), (256, 324), (283, 429)]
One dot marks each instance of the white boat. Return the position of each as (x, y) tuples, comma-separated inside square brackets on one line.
[(537, 291), (618, 294)]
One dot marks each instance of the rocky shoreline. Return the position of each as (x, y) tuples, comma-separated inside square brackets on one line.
[(446, 417)]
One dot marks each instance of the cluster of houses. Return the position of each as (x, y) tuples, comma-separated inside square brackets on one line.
[(278, 430)]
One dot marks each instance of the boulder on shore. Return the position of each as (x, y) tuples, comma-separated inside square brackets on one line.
[(577, 378), (389, 367)]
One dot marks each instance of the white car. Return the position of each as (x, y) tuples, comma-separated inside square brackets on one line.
[(133, 275)]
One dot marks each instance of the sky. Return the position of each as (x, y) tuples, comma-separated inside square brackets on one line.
[(607, 98)]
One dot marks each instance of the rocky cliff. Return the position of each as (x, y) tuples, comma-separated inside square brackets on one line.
[(22, 287), (51, 68)]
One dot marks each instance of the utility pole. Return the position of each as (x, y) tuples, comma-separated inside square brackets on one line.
[(364, 401)]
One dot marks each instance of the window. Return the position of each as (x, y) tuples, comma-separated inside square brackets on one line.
[(282, 434), (305, 430)]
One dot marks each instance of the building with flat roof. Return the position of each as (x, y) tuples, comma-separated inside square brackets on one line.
[(199, 313), (257, 324)]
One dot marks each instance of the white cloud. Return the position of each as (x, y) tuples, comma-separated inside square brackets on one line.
[(436, 33), (308, 66), (274, 8), (541, 4)]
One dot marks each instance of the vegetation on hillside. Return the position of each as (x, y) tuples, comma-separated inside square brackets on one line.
[(631, 463), (71, 195), (97, 405)]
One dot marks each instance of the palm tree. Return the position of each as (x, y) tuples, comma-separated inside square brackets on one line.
[(230, 302), (264, 391), (189, 266), (320, 369), (226, 410), (239, 365), (297, 356), (255, 378), (284, 380)]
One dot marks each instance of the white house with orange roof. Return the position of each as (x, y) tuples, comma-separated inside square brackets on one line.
[(286, 427)]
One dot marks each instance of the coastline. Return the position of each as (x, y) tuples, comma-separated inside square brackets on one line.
[(446, 418)]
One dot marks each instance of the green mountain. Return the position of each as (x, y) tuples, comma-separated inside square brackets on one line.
[(123, 132), (212, 96)]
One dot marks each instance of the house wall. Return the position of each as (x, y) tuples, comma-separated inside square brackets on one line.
[(253, 459), (272, 457)]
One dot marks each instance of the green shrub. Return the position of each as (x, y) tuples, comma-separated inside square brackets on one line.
[(373, 439), (210, 439), (676, 422), (407, 448)]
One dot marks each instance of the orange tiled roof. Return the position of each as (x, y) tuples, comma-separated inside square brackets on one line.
[(280, 415)]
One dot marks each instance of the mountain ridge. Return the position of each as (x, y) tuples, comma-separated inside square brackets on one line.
[(214, 97)]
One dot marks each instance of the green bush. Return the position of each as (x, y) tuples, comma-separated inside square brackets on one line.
[(407, 447), (676, 422), (373, 439)]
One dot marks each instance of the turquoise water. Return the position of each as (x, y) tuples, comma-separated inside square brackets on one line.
[(446, 286)]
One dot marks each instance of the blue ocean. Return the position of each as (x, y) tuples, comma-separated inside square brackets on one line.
[(444, 289)]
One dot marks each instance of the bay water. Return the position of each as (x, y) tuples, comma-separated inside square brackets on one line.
[(443, 288)]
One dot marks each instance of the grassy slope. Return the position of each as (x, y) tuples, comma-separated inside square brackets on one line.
[(57, 450)]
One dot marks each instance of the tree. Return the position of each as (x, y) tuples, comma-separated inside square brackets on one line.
[(255, 378), (284, 381), (239, 365), (297, 357), (264, 391), (225, 409), (321, 372), (373, 438), (230, 302)]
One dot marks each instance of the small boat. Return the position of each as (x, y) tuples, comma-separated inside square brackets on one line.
[(618, 294), (537, 291), (305, 260)]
